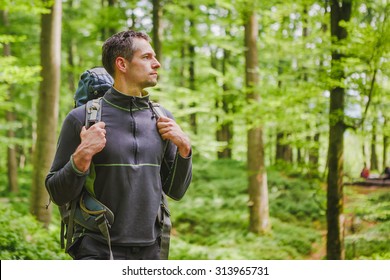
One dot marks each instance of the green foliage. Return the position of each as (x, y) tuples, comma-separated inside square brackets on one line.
[(35, 7), (294, 199), (14, 74), (24, 189), (372, 206), (370, 226), (24, 238), (379, 209), (211, 222), (372, 243)]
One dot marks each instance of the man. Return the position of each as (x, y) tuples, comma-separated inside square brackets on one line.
[(132, 157)]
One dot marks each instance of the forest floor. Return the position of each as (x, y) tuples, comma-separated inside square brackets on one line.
[(319, 249)]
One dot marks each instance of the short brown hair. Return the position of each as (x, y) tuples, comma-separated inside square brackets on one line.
[(120, 44)]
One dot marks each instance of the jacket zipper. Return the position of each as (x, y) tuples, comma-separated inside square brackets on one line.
[(135, 148)]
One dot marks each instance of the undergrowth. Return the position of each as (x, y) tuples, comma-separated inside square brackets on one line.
[(23, 238), (211, 221)]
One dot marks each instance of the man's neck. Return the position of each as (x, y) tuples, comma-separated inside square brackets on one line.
[(122, 87), (131, 93)]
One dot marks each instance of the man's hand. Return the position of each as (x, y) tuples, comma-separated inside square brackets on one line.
[(170, 130), (93, 141)]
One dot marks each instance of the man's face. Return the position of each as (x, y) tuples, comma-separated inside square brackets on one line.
[(143, 67)]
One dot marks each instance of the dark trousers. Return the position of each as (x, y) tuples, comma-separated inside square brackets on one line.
[(91, 249)]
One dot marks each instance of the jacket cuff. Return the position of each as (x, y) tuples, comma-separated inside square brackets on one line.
[(187, 157), (78, 172)]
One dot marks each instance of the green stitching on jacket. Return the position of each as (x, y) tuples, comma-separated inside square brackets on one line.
[(174, 171), (125, 109), (127, 164)]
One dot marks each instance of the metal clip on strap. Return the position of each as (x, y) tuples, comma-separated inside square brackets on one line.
[(93, 112)]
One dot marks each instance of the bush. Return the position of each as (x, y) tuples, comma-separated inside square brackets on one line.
[(24, 238), (296, 200), (371, 237), (372, 243)]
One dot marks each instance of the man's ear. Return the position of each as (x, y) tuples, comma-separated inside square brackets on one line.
[(120, 63)]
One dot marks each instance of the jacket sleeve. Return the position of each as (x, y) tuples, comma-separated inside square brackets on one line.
[(64, 182), (176, 172)]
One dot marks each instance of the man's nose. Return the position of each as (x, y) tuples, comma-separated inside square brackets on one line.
[(156, 64)]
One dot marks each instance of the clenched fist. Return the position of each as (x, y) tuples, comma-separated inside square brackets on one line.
[(170, 130), (93, 140)]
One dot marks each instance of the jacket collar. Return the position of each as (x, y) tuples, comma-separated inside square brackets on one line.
[(116, 98)]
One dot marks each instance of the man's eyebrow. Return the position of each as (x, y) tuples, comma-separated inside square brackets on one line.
[(148, 53)]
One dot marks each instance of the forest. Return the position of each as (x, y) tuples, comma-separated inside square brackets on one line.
[(284, 103)]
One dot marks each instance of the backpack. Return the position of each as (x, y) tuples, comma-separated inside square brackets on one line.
[(93, 84), (86, 210)]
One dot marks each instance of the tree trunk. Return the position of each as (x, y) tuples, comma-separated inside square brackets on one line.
[(386, 141), (314, 153), (283, 151), (157, 29), (71, 51), (191, 68), (12, 162), (373, 155), (50, 46), (107, 31), (335, 219), (225, 127), (257, 178), (111, 30), (12, 166)]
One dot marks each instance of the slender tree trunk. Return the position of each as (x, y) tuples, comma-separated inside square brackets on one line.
[(111, 30), (12, 166), (182, 80), (257, 177), (12, 162), (191, 67), (279, 151), (107, 31), (47, 109), (283, 151), (373, 156), (314, 153), (335, 218), (71, 51), (225, 128), (300, 156), (157, 28), (386, 141)]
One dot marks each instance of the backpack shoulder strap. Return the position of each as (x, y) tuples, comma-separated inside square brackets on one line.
[(93, 112), (157, 110), (164, 214), (166, 228), (69, 233)]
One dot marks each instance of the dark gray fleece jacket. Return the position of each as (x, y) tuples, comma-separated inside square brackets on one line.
[(129, 174)]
